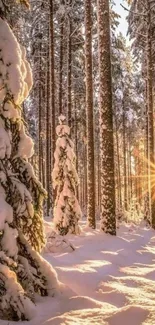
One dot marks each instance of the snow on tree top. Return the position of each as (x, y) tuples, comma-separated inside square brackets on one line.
[(62, 119), (62, 129)]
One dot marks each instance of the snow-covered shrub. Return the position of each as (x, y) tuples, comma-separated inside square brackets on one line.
[(23, 272), (120, 213), (57, 244), (134, 214), (67, 211)]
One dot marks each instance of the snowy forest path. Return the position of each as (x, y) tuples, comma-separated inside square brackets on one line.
[(118, 270), (107, 280)]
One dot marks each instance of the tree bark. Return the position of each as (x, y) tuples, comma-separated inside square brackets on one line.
[(69, 68), (108, 218), (40, 114), (52, 82), (89, 118), (61, 65), (48, 171), (150, 114), (124, 159), (118, 167), (146, 167)]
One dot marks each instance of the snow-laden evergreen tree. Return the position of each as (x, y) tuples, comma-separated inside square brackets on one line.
[(23, 272), (67, 211)]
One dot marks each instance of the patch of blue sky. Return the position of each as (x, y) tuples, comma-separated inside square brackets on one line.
[(123, 25)]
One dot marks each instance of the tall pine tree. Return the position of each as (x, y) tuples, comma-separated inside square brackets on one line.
[(89, 116), (108, 221)]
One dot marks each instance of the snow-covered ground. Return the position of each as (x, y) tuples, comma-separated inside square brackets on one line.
[(108, 281)]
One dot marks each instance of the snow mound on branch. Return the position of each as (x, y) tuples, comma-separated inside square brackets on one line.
[(6, 212), (52, 283), (15, 73), (23, 306), (27, 72), (10, 246), (26, 145), (5, 145), (6, 217), (13, 298)]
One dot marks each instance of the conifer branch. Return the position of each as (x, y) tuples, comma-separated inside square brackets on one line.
[(135, 13)]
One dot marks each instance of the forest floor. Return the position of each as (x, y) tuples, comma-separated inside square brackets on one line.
[(108, 281)]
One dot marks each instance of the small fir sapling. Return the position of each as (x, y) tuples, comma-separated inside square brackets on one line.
[(67, 211)]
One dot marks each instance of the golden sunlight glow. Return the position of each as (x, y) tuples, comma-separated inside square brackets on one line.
[(88, 266)]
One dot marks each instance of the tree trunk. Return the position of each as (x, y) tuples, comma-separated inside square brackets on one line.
[(124, 160), (129, 183), (40, 117), (150, 114), (52, 83), (76, 141), (108, 218), (69, 68), (118, 167), (85, 178), (146, 169), (61, 64), (48, 171), (99, 182), (89, 118)]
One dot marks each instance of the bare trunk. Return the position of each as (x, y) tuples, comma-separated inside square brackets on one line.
[(118, 166), (61, 64), (40, 118), (150, 114), (69, 69), (85, 178), (76, 142), (52, 82), (124, 160), (89, 118), (108, 218), (146, 178), (48, 171)]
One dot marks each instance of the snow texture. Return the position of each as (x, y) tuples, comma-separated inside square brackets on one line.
[(15, 73), (56, 243), (26, 145), (108, 280)]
